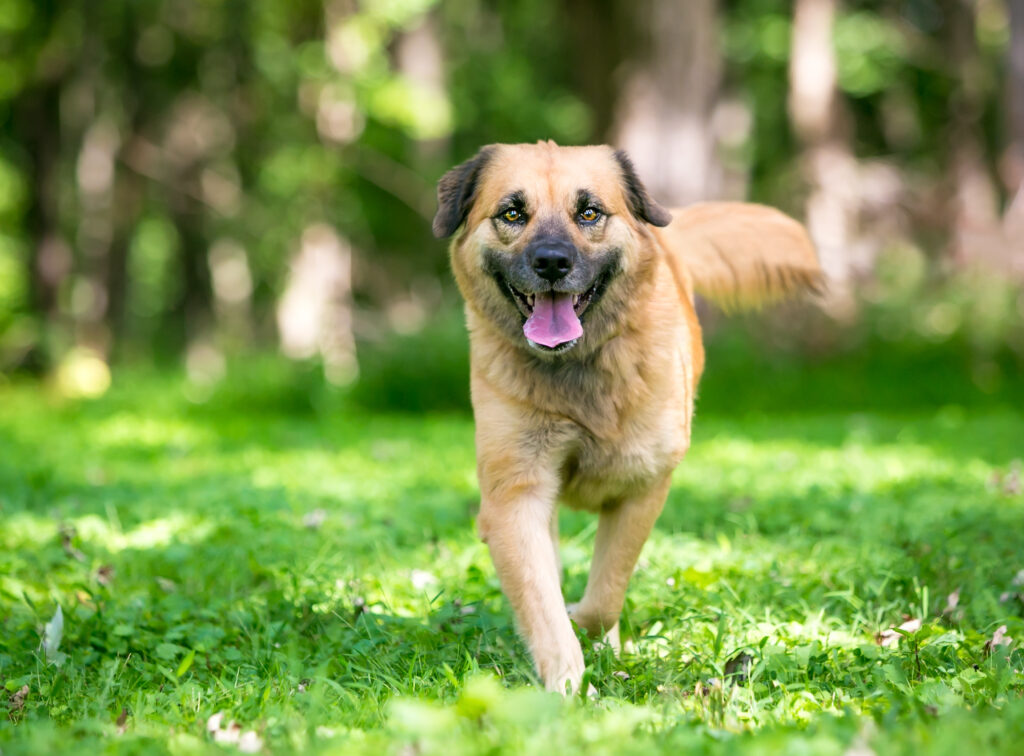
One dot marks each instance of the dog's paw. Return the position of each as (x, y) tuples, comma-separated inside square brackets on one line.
[(562, 671), (592, 625)]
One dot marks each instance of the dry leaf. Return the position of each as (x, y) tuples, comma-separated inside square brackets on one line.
[(17, 700), (421, 579), (105, 575), (952, 601), (1011, 481), (314, 519), (250, 742), (66, 534), (53, 633), (738, 667), (891, 637), (231, 735), (999, 638)]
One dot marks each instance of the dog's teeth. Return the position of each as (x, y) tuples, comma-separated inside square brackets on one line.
[(575, 299), (530, 298)]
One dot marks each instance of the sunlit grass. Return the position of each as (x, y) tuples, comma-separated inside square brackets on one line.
[(316, 576)]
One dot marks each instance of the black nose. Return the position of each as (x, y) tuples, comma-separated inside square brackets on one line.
[(552, 260)]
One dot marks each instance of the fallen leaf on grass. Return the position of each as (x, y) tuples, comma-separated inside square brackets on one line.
[(952, 601), (314, 519), (1017, 582), (122, 719), (892, 636), (167, 586), (1008, 483), (246, 742), (421, 579), (105, 575), (738, 667), (17, 700), (66, 534), (250, 742), (999, 638), (53, 633)]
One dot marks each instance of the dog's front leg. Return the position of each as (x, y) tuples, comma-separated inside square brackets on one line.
[(516, 524), (622, 530)]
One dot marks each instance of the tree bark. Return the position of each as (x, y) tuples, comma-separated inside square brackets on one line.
[(602, 34), (830, 168), (664, 112), (37, 120), (1013, 161), (1013, 170)]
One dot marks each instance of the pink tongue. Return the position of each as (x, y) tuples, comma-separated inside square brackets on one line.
[(553, 321)]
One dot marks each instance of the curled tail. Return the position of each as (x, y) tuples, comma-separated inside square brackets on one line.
[(741, 255)]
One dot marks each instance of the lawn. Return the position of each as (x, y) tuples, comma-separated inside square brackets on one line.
[(309, 571)]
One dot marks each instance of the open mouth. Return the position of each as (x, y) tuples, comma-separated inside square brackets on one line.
[(552, 319), (527, 303)]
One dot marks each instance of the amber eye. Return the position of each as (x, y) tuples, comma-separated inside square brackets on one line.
[(512, 215), (589, 215)]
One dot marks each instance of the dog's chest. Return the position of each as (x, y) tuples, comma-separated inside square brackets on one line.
[(599, 470)]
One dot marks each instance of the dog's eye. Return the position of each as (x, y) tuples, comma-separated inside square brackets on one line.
[(589, 215), (512, 215)]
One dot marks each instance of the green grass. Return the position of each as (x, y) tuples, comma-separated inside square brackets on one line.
[(311, 570)]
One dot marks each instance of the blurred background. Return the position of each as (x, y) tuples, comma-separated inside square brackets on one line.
[(231, 189)]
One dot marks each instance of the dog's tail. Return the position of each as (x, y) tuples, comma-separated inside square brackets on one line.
[(742, 255)]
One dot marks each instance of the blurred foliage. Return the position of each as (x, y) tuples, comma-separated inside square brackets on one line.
[(136, 135)]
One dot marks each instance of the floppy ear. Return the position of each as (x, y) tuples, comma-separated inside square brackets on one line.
[(741, 255), (640, 202), (456, 191)]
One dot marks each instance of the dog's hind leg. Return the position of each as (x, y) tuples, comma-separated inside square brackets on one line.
[(622, 530)]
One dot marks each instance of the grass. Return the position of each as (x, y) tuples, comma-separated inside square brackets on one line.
[(310, 571)]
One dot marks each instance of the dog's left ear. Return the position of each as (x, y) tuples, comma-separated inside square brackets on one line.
[(456, 191), (640, 201)]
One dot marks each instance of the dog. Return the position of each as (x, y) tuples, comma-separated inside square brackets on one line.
[(585, 354)]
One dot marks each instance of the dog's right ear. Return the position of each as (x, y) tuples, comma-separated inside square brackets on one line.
[(456, 192)]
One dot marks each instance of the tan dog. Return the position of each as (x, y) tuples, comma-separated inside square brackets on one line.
[(585, 353)]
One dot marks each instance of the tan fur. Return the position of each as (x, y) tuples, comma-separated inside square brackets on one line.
[(602, 426), (743, 255)]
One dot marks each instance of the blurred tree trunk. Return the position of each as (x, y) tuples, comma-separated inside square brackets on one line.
[(314, 315), (1013, 162), (194, 309), (37, 125), (974, 212), (601, 36), (419, 56), (663, 115), (128, 188), (820, 124), (1015, 79)]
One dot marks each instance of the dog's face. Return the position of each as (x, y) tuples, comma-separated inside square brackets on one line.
[(551, 241)]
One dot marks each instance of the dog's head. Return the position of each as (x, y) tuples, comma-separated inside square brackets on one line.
[(550, 248)]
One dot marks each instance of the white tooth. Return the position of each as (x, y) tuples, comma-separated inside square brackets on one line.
[(575, 299), (529, 299)]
